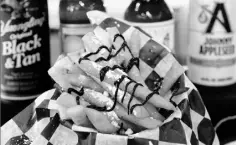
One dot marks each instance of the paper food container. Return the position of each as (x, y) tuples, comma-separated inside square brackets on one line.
[(40, 124)]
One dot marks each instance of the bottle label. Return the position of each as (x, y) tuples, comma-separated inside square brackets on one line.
[(24, 50), (212, 56), (162, 32), (71, 36)]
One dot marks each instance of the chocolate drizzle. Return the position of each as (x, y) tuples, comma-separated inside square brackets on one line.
[(86, 57), (105, 69), (117, 84), (110, 56), (131, 98), (123, 46), (83, 58), (158, 84), (134, 61), (79, 93), (97, 108), (126, 87), (144, 102), (121, 128), (118, 35)]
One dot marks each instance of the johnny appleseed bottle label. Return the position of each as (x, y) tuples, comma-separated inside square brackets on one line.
[(212, 56), (24, 49)]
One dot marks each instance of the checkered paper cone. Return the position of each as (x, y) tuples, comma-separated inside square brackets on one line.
[(40, 124)]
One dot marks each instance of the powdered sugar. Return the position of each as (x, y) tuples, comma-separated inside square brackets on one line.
[(102, 99), (112, 116), (129, 131)]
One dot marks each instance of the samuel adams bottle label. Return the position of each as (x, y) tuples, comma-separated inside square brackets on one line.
[(212, 56), (25, 56)]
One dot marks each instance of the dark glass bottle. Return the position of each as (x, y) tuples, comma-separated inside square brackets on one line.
[(154, 17), (211, 61), (25, 53), (74, 22)]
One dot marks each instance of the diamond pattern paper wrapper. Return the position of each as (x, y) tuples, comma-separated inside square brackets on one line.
[(40, 124)]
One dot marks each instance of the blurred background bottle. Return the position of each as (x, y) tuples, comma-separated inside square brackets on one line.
[(212, 56), (181, 12), (212, 60), (74, 22), (25, 53), (154, 17)]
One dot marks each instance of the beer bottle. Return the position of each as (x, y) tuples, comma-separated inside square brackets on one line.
[(154, 17), (74, 22), (212, 55), (212, 58), (25, 53)]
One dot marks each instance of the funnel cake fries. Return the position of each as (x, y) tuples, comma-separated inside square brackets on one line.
[(98, 101), (106, 80), (98, 39), (123, 98), (120, 81), (95, 43), (72, 79), (114, 57), (114, 53), (121, 51)]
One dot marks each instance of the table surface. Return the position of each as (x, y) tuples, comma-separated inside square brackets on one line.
[(220, 103)]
